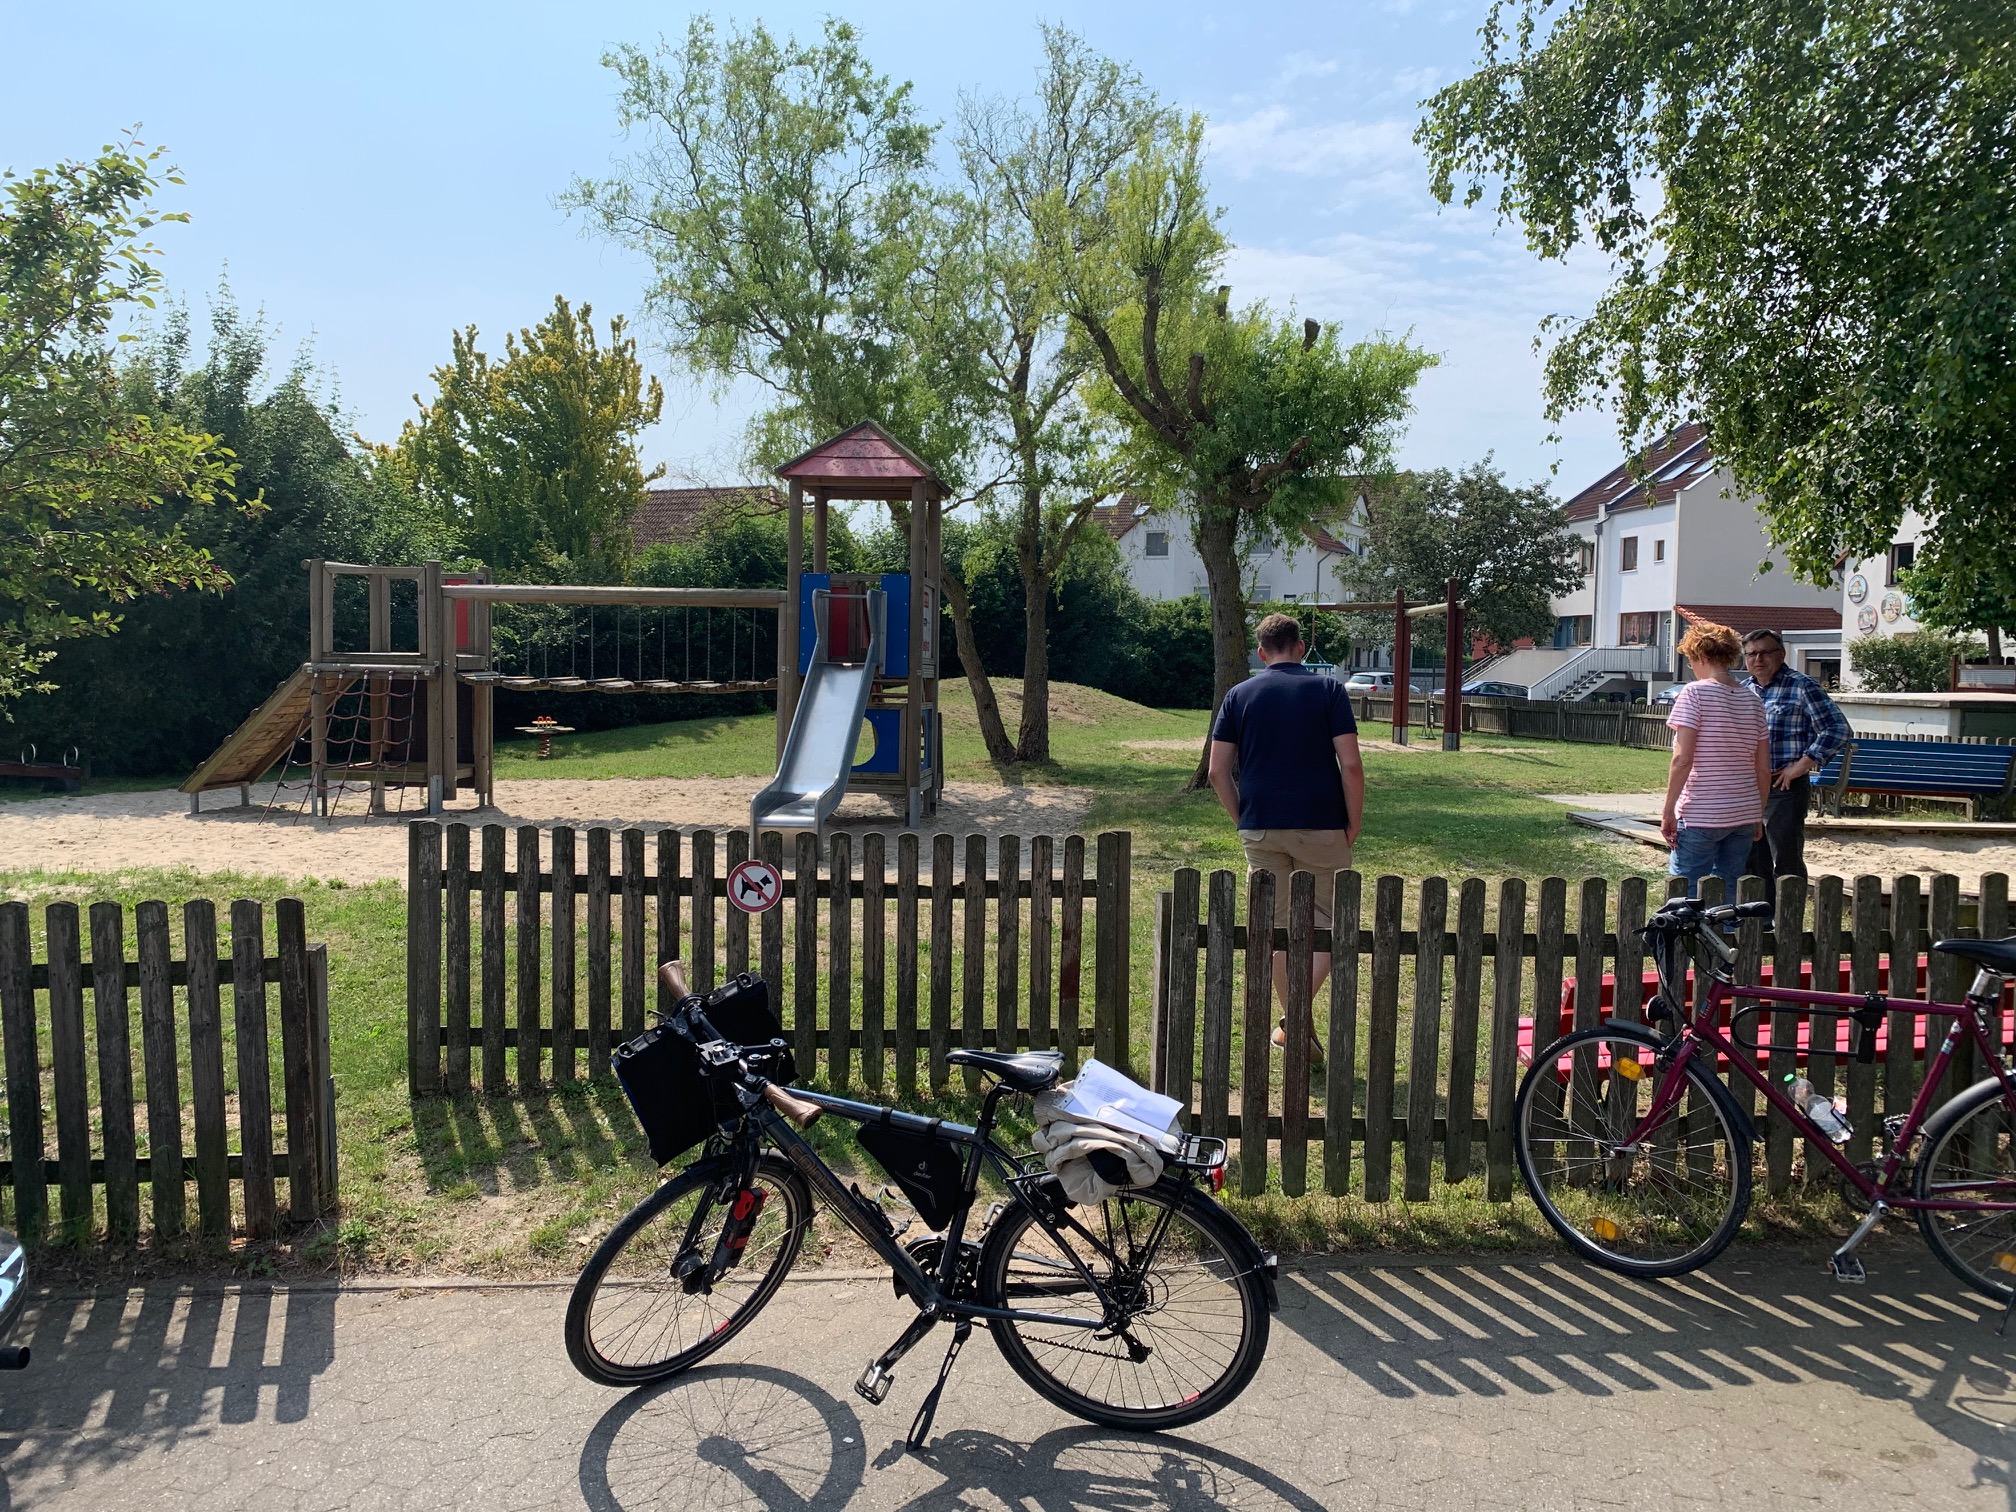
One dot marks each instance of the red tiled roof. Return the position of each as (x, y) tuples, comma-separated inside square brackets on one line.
[(1743, 618), (1324, 540), (1118, 518), (1668, 465), (674, 514), (865, 462)]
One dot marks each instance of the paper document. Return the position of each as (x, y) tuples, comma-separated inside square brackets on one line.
[(1105, 1096)]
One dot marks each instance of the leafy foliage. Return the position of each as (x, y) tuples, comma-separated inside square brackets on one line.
[(532, 461), (1509, 549), (86, 482), (1920, 661), (1806, 206)]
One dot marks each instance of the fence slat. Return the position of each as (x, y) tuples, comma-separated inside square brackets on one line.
[(61, 928), (564, 925), (906, 965), (839, 962), (423, 957), (160, 1061), (1507, 967), (255, 1085), (302, 1094), (1112, 927), (1298, 1031), (1258, 1026), (598, 951), (1071, 949), (1749, 970), (1341, 1068), (1182, 989), (1864, 977), (1216, 1069), (24, 1072), (1042, 937), (206, 1070), (973, 953), (666, 885), (113, 1017), (634, 893), (528, 957), (1547, 961), (1465, 996), (490, 958), (1384, 1039), (1946, 981), (1788, 926), (703, 911), (455, 936), (805, 955), (874, 938), (1820, 1069), (771, 844), (1008, 944), (735, 923), (1424, 1053), (1900, 1066)]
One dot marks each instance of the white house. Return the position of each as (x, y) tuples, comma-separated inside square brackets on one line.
[(1872, 602)]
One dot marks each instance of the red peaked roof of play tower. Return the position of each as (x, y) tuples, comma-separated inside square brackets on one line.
[(865, 462)]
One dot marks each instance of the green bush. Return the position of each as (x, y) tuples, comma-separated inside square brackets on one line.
[(1920, 661)]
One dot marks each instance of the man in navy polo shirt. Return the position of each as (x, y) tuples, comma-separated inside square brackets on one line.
[(1299, 794)]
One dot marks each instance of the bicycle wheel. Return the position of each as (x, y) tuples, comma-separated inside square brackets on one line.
[(1196, 1324), (1970, 1155), (1668, 1204), (633, 1318)]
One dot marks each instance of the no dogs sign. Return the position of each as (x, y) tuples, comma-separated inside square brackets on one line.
[(754, 887)]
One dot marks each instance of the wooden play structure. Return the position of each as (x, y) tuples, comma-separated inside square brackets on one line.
[(411, 711), (1404, 614)]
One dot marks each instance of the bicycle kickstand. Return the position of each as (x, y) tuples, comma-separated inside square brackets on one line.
[(1844, 1263), (873, 1387), (920, 1427)]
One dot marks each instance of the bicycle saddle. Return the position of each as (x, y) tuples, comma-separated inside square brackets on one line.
[(1030, 1071), (1996, 955)]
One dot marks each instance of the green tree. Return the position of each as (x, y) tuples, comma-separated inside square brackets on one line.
[(1955, 588), (85, 480), (1919, 661), (1806, 207), (532, 461), (782, 193), (1509, 549)]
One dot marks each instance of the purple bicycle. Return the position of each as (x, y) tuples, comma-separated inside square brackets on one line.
[(1639, 1155)]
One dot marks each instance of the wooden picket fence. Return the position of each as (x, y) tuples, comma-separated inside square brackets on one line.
[(93, 1076), (527, 950), (1544, 719), (1419, 1057)]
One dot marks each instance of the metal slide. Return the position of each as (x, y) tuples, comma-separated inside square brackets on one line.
[(820, 750)]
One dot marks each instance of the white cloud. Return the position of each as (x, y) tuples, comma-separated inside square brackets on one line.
[(1305, 65), (1269, 141), (1416, 83)]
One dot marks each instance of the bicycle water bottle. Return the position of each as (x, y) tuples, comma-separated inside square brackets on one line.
[(1828, 1114)]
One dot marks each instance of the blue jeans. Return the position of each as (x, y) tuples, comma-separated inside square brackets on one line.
[(1723, 853)]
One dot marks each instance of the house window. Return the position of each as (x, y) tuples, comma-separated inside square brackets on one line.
[(1638, 629), (1158, 543), (1263, 593), (1902, 555), (1573, 630), (1263, 547), (1628, 560), (1659, 549), (1588, 557)]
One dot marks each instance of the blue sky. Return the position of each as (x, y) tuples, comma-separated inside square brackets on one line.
[(375, 176)]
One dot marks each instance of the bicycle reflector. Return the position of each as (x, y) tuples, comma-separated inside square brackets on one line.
[(1627, 1067), (2006, 1263), (1605, 1230)]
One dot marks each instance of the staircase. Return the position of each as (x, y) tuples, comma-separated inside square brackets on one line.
[(1582, 674)]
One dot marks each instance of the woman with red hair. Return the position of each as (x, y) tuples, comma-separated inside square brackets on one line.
[(1721, 772)]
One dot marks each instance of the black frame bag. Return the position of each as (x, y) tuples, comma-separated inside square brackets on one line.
[(929, 1171), (676, 1101)]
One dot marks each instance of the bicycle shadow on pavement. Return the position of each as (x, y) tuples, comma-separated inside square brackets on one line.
[(144, 1368), (751, 1438), (1489, 1329)]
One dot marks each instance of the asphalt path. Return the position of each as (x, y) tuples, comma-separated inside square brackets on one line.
[(1435, 1384)]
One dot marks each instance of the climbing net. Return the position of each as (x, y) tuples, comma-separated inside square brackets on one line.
[(373, 724)]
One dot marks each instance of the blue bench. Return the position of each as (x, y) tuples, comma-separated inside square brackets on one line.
[(1984, 775)]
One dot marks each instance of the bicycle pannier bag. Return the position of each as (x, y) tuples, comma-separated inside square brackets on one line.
[(662, 1074), (926, 1169)]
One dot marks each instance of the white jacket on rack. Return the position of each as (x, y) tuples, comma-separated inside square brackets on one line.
[(1092, 1160)]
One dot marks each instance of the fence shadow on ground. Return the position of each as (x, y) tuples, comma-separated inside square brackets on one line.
[(145, 1368), (1496, 1330)]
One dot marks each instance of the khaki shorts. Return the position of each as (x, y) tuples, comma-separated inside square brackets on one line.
[(1321, 852)]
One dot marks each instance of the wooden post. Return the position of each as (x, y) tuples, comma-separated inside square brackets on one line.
[(1008, 945), (491, 963), (1042, 889), (1820, 1069), (1160, 971), (1900, 1068), (24, 1072), (1507, 963), (1866, 946), (563, 953), (1259, 1024), (839, 955), (906, 966), (528, 957), (255, 1085), (455, 937), (1946, 979), (667, 887), (1071, 950), (1788, 926), (1549, 949), (921, 579), (1463, 1010), (772, 847), (735, 923), (1452, 672), (66, 1046), (787, 625), (1403, 661), (114, 1022), (598, 951), (1112, 931), (702, 973), (973, 954), (301, 1092), (1216, 1065), (1384, 1042), (1180, 989), (206, 1070), (941, 962), (1341, 1064), (1424, 1054), (874, 939), (820, 510), (635, 983), (161, 1060), (423, 957), (805, 955), (320, 1073), (1300, 1018)]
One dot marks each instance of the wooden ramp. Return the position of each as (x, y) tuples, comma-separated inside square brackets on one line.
[(257, 744)]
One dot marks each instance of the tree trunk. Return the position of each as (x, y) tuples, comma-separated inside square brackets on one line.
[(1216, 538), (985, 706), (1995, 644), (1034, 741)]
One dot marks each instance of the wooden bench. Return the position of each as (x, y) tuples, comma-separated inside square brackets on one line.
[(1984, 775)]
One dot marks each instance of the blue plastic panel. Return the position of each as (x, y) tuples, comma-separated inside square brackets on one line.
[(808, 582), (888, 754), (896, 590)]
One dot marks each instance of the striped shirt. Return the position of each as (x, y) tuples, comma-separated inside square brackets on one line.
[(1728, 724)]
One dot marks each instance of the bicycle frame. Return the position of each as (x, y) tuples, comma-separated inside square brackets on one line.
[(1703, 1027)]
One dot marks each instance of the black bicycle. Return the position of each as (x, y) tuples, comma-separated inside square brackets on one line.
[(1147, 1311)]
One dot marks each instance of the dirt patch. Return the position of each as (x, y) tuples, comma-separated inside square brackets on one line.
[(108, 832)]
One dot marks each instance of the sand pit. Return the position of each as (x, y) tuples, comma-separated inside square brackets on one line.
[(119, 831), (1846, 854)]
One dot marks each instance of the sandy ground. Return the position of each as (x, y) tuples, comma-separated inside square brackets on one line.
[(117, 831), (1845, 854)]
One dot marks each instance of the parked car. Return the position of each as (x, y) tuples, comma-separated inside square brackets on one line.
[(1665, 696), (1370, 682), (1485, 688)]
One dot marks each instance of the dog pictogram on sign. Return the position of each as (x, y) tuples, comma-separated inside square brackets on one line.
[(754, 887)]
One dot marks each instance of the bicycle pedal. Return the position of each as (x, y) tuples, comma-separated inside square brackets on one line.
[(873, 1387), (1847, 1269)]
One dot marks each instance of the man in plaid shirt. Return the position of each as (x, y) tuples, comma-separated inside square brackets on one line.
[(1807, 731)]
